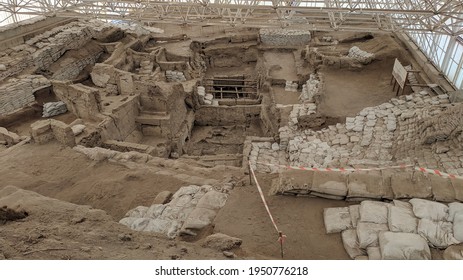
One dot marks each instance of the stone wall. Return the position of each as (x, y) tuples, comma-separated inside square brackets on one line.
[(73, 62), (284, 37), (17, 33), (227, 115), (82, 101), (42, 50), (18, 93), (387, 134)]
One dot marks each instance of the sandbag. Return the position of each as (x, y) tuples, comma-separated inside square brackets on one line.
[(438, 234), (137, 212), (458, 188), (351, 244), (329, 183), (442, 189), (403, 204), (454, 252), (403, 246), (401, 219), (336, 219), (405, 186), (367, 184), (374, 253), (373, 212), (327, 196), (354, 211), (425, 209), (454, 207), (458, 227), (368, 233)]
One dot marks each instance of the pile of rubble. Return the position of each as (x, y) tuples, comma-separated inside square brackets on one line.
[(191, 209), (310, 89), (175, 76), (360, 55), (291, 86), (51, 109)]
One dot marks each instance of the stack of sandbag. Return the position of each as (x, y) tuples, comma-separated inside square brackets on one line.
[(396, 230), (372, 185)]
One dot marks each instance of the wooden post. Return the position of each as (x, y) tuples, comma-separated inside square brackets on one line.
[(250, 175)]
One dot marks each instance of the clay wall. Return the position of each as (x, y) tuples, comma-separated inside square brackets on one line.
[(120, 122), (227, 115), (81, 100)]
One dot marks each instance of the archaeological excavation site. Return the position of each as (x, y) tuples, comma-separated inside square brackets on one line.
[(308, 130)]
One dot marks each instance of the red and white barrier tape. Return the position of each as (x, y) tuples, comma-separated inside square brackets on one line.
[(281, 236), (437, 172), (335, 169), (421, 169)]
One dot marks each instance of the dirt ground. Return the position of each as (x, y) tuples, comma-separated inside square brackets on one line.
[(65, 223), (348, 92), (285, 97), (299, 218), (281, 65), (71, 177)]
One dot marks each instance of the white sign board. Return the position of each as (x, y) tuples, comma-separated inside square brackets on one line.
[(399, 73)]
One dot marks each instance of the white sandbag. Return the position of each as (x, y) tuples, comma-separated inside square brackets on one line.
[(403, 246), (137, 212), (374, 253), (454, 208), (425, 209), (402, 204), (438, 234), (327, 196), (337, 219), (373, 212), (368, 233), (458, 226), (351, 244), (354, 211), (402, 219)]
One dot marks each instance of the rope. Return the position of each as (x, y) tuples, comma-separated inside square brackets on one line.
[(402, 166), (281, 236), (336, 169)]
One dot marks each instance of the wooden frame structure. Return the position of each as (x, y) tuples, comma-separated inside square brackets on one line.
[(436, 26), (445, 16)]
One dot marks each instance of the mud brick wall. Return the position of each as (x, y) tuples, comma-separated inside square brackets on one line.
[(44, 131), (227, 115), (120, 122), (82, 101)]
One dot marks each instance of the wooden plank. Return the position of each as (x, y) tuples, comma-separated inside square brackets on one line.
[(231, 91), (399, 73)]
